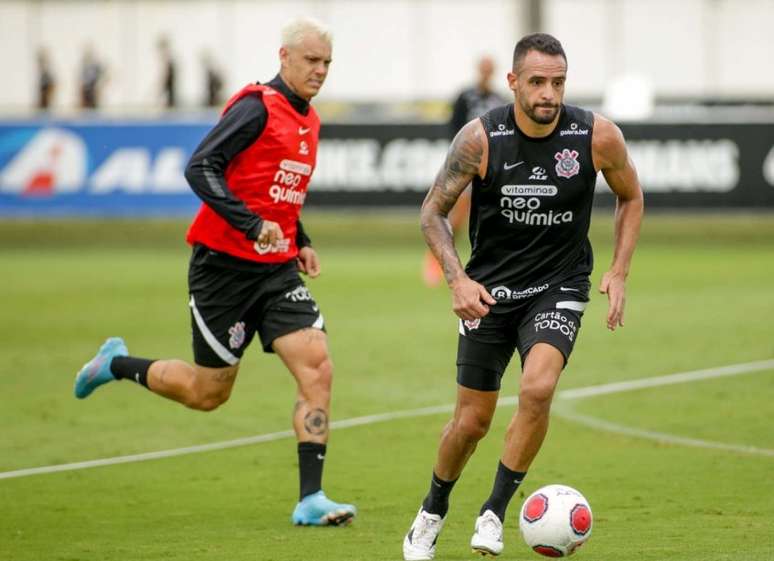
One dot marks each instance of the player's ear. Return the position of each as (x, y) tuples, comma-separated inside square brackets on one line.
[(513, 81), (283, 56)]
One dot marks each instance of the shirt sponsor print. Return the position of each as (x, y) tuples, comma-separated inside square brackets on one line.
[(502, 130), (520, 204), (501, 293), (556, 321), (574, 130), (286, 180), (299, 294), (280, 246)]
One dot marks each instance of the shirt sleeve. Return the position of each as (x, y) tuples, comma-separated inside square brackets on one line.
[(302, 240), (242, 124)]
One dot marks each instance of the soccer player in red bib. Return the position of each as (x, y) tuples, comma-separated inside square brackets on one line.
[(252, 172)]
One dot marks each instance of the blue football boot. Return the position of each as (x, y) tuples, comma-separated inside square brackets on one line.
[(97, 371), (318, 510)]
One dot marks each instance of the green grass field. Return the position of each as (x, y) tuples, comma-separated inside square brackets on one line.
[(701, 295)]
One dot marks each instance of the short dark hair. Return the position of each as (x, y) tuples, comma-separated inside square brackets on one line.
[(541, 42)]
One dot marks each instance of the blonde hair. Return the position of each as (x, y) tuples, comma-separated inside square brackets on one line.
[(295, 30)]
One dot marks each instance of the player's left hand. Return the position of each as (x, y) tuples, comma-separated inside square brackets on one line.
[(308, 262), (614, 285)]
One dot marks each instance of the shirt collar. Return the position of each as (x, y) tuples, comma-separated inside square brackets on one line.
[(299, 103)]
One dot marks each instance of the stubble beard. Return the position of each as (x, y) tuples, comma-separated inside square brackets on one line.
[(530, 111)]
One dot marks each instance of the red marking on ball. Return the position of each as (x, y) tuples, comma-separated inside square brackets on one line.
[(536, 508), (547, 550), (580, 519)]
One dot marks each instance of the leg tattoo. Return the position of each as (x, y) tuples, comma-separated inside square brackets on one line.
[(316, 422), (224, 376)]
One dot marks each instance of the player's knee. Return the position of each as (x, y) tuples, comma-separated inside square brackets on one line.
[(203, 398), (208, 403), (215, 399), (318, 377), (324, 376), (536, 393), (472, 428)]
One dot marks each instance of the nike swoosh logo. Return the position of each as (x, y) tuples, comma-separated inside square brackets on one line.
[(320, 457), (563, 289), (507, 167), (302, 130)]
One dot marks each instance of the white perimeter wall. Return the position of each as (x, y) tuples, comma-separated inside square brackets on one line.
[(388, 50)]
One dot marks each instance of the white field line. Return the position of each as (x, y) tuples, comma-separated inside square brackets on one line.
[(579, 393), (600, 424), (680, 378), (235, 443)]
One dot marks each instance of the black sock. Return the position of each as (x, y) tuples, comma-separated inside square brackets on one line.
[(505, 485), (311, 456), (131, 368), (437, 499)]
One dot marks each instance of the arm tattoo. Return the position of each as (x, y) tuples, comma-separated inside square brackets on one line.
[(316, 422), (461, 166)]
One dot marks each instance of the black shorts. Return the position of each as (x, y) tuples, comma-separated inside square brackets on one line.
[(231, 299), (552, 315)]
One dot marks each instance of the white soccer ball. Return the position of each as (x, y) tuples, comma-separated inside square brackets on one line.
[(555, 520)]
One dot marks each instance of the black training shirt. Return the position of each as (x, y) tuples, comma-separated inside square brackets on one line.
[(530, 214)]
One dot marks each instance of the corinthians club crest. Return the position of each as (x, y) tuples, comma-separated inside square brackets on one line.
[(567, 163), (237, 335)]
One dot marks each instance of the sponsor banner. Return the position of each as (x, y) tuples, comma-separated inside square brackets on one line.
[(382, 164), (711, 165), (714, 165), (97, 168), (137, 168)]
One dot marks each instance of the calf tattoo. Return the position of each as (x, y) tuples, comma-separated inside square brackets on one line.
[(224, 376), (316, 422)]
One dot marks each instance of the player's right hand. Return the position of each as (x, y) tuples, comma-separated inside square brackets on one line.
[(270, 234), (614, 285), (470, 300)]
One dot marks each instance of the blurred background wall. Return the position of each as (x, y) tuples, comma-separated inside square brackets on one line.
[(690, 82), (389, 50)]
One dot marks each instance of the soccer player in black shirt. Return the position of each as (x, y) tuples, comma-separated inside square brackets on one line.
[(533, 165)]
